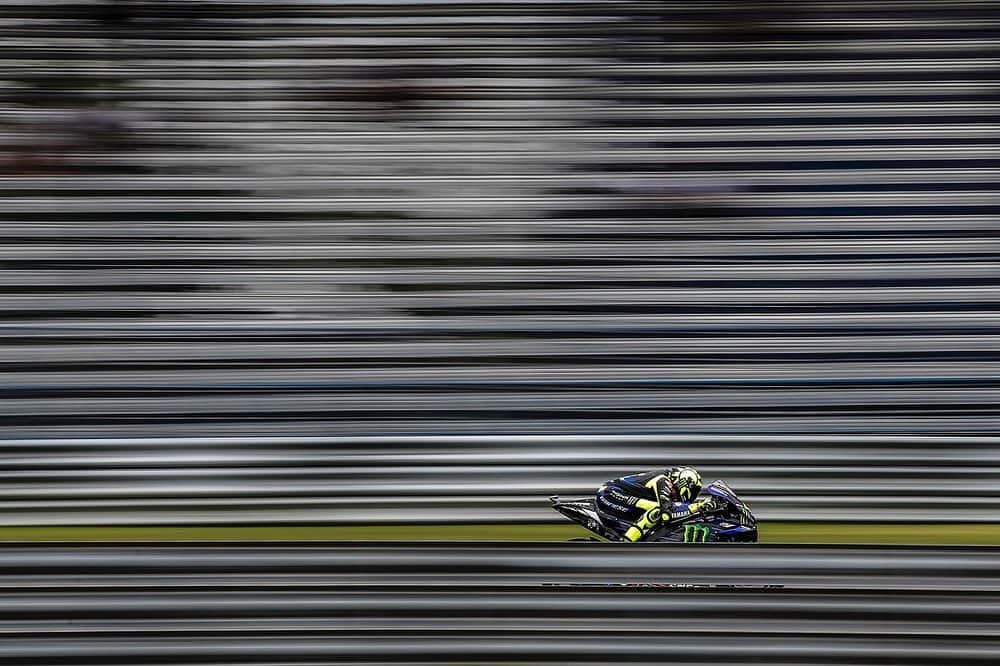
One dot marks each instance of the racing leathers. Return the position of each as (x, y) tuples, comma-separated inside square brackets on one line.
[(637, 504)]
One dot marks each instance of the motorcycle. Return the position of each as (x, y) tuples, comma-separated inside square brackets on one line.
[(732, 522)]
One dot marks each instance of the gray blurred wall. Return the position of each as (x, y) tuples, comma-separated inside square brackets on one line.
[(301, 260)]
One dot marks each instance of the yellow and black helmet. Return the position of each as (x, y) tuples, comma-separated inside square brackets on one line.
[(687, 482)]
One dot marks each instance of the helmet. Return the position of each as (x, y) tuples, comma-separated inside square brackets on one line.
[(687, 482)]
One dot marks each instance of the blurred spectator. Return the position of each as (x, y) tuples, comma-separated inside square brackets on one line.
[(49, 143), (726, 20), (677, 197), (395, 92), (756, 21), (114, 15)]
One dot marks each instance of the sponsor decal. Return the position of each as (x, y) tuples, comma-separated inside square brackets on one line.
[(696, 533), (606, 503)]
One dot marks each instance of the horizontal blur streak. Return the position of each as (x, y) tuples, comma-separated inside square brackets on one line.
[(439, 479), (422, 603), (375, 261)]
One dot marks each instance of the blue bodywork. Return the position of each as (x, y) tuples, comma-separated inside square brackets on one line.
[(734, 522)]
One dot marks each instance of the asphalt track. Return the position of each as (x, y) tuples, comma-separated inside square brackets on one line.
[(516, 603)]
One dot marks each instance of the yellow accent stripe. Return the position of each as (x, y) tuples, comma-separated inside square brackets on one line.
[(651, 484)]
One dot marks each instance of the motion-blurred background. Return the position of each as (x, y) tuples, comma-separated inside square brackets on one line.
[(314, 263)]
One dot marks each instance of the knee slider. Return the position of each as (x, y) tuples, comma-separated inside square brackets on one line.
[(650, 518)]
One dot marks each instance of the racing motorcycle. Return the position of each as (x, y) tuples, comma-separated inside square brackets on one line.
[(733, 522)]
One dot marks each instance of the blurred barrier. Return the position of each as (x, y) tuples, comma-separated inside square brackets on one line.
[(482, 479), (487, 603), (233, 211), (252, 251)]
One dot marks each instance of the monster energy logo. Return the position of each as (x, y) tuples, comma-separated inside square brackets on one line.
[(695, 533)]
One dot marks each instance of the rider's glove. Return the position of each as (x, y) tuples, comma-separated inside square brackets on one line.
[(707, 505)]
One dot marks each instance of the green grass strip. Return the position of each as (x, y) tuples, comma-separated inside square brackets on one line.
[(875, 533), (771, 532)]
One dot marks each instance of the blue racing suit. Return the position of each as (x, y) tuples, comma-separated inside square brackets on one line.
[(637, 504)]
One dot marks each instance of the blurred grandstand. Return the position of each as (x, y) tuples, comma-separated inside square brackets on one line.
[(299, 261)]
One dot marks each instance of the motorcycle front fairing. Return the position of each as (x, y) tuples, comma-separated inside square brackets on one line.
[(708, 529), (733, 523)]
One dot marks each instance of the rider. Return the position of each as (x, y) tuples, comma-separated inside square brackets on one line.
[(635, 505)]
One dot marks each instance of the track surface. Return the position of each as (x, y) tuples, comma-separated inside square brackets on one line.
[(270, 603)]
